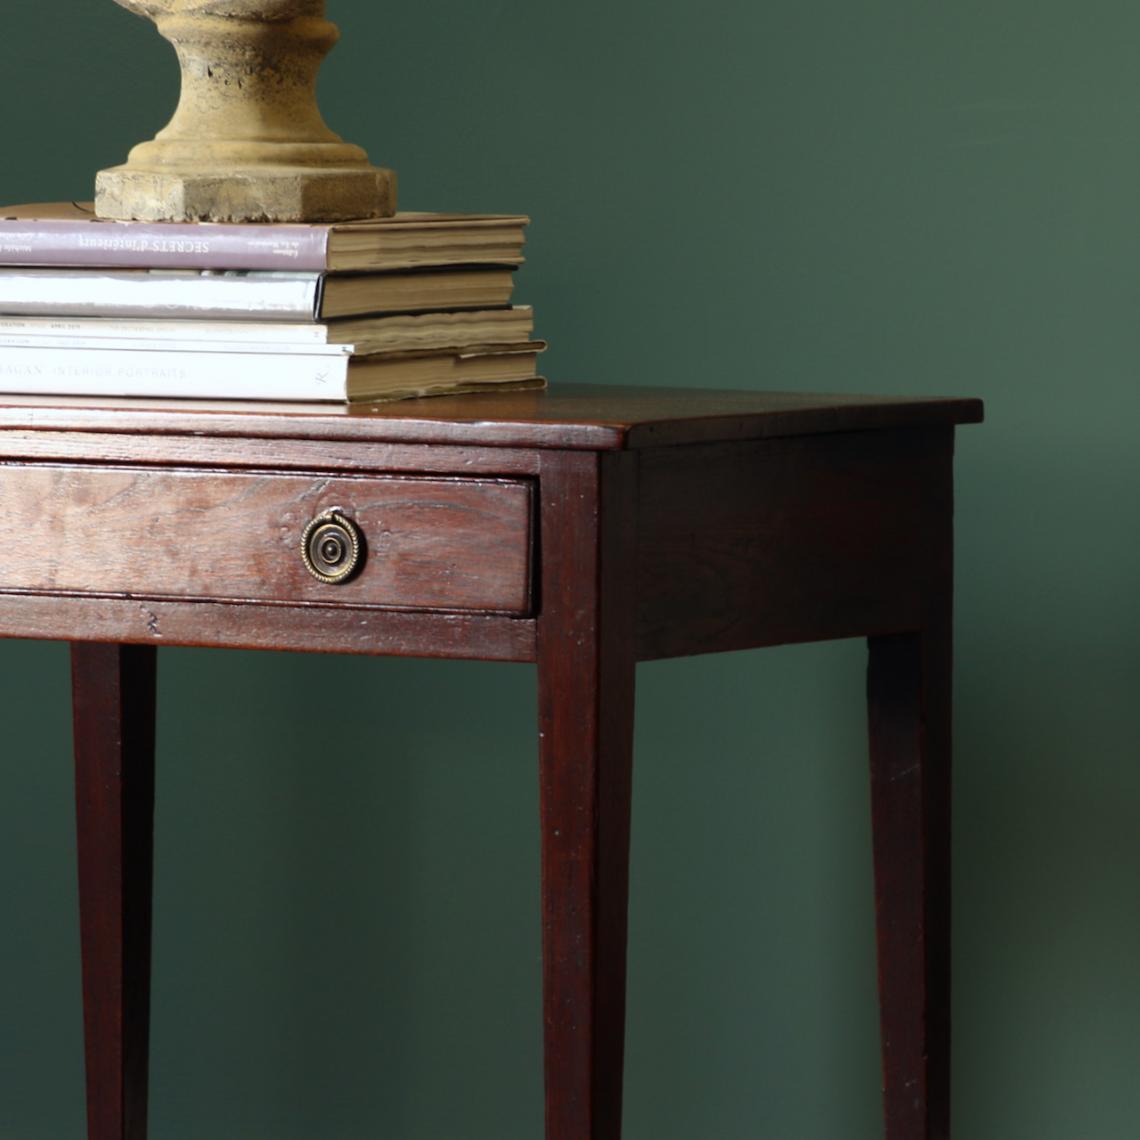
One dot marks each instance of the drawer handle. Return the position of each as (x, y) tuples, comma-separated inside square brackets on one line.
[(332, 547)]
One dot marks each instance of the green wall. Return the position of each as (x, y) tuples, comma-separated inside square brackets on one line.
[(803, 194)]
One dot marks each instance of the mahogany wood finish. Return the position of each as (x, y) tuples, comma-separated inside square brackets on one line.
[(574, 416), (787, 540), (583, 529), (435, 544), (908, 693), (114, 689), (585, 678), (231, 625)]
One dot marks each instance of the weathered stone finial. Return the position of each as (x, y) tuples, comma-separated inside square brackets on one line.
[(247, 142)]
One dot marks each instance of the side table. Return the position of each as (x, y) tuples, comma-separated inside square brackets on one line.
[(584, 529)]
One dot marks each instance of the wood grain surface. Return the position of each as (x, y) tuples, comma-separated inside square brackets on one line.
[(573, 416), (241, 625), (433, 544), (652, 522), (357, 456)]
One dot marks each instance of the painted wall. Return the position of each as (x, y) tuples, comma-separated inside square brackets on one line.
[(798, 194)]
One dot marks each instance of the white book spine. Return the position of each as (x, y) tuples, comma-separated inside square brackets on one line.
[(273, 332), (169, 344), (142, 294), (203, 375)]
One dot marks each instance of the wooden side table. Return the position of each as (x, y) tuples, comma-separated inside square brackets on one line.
[(583, 529)]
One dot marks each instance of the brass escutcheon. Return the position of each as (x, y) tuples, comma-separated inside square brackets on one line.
[(332, 547)]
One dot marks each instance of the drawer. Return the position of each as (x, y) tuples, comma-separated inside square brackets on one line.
[(449, 544)]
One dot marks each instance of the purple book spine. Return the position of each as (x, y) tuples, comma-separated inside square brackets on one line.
[(158, 245)]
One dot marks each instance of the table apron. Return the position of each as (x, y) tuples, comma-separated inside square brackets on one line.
[(235, 625)]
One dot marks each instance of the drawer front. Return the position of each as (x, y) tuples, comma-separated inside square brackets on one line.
[(448, 544)]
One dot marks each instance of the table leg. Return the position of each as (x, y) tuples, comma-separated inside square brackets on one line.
[(908, 693), (113, 693), (586, 691)]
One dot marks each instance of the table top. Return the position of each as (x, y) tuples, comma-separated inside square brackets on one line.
[(585, 416)]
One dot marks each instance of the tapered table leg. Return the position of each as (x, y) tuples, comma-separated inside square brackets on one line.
[(586, 691), (113, 691), (909, 716)]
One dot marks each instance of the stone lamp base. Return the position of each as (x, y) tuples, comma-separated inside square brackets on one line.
[(247, 142), (258, 194)]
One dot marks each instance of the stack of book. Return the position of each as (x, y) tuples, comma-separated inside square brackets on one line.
[(413, 305)]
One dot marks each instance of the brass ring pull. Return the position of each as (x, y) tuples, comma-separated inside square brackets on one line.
[(332, 547)]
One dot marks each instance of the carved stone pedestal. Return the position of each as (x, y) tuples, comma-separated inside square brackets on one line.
[(247, 142)]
